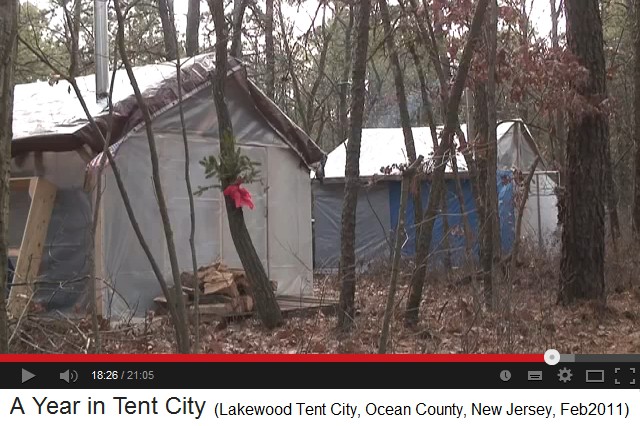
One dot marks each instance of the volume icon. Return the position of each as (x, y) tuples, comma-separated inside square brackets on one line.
[(69, 376)]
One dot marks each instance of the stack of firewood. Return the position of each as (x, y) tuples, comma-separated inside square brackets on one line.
[(223, 290)]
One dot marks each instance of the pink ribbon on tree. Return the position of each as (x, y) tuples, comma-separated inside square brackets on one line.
[(240, 196)]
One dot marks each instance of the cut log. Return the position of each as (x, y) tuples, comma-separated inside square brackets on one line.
[(218, 309), (188, 280), (224, 290), (223, 283)]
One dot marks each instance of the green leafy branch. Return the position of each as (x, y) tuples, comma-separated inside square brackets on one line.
[(229, 168)]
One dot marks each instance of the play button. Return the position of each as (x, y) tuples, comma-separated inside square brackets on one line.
[(27, 375)]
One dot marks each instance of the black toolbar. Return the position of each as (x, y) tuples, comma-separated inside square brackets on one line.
[(320, 375)]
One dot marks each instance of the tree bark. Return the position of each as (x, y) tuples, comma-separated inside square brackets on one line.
[(8, 35), (485, 224), (76, 61), (352, 171), (407, 177), (437, 182), (558, 126), (492, 137), (611, 199), (239, 6), (427, 106), (71, 17), (269, 51), (300, 106), (405, 119), (192, 209), (165, 8), (636, 124), (583, 232), (343, 115), (526, 186), (183, 325), (193, 28), (265, 299)]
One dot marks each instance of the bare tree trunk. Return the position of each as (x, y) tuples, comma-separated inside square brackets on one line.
[(407, 177), (183, 341), (583, 248), (558, 127), (8, 34), (352, 171), (427, 106), (192, 208), (405, 119), (265, 299), (239, 6), (437, 182), (492, 140), (446, 230), (269, 51), (343, 118), (71, 18), (165, 8), (300, 109), (636, 124), (75, 45), (485, 224), (93, 279), (427, 35), (193, 28), (523, 202), (428, 38), (612, 199)]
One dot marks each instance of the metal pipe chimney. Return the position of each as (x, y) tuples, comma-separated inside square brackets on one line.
[(101, 48)]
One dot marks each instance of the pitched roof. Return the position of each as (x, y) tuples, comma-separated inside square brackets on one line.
[(381, 147), (50, 117)]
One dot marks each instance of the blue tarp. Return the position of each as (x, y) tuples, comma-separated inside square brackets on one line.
[(456, 238)]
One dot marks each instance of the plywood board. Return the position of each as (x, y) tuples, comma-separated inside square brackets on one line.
[(43, 195)]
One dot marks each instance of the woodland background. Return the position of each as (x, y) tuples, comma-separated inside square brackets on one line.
[(363, 63)]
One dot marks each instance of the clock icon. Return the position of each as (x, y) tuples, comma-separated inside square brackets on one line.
[(505, 375)]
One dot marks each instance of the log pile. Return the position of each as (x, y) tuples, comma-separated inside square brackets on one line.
[(223, 290)]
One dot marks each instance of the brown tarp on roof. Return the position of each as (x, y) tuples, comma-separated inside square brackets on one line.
[(195, 77)]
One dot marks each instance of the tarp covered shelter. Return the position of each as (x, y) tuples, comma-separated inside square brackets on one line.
[(53, 140), (379, 197)]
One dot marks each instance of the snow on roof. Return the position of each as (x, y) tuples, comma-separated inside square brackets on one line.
[(381, 147), (41, 108)]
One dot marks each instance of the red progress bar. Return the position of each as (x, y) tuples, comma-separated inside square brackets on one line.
[(273, 358)]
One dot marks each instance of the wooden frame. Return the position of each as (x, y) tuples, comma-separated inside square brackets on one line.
[(29, 254), (99, 267)]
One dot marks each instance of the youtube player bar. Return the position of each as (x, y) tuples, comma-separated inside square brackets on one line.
[(318, 372)]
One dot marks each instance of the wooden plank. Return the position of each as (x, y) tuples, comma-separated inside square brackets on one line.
[(14, 252), (43, 195), (84, 154), (20, 184), (99, 264)]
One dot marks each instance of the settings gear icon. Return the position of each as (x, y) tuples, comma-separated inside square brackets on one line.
[(564, 375)]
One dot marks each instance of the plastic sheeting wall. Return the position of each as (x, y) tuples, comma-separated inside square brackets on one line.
[(64, 261), (377, 218), (514, 151), (540, 216), (372, 224), (456, 240), (280, 223), (289, 221)]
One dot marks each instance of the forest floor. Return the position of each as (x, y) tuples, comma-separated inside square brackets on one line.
[(526, 319)]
